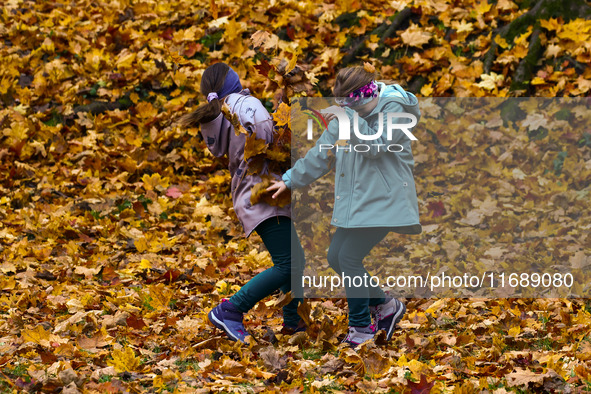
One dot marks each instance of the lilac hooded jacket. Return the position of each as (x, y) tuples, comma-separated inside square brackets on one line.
[(221, 140)]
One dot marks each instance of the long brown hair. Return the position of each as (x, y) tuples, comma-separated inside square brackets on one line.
[(350, 79), (212, 81)]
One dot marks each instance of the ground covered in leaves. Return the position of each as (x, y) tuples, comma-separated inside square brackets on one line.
[(117, 233)]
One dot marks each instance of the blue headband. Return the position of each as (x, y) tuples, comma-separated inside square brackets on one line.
[(231, 84)]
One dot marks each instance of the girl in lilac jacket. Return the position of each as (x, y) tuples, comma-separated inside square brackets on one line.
[(221, 84)]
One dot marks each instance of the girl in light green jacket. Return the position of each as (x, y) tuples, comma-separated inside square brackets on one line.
[(374, 187)]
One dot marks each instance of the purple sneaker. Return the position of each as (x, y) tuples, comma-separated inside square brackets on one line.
[(387, 315), (226, 317), (359, 335)]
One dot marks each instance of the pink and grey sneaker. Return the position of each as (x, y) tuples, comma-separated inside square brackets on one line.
[(227, 318), (359, 335), (387, 315)]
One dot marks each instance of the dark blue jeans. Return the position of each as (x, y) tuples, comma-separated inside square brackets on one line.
[(282, 242), (348, 248)]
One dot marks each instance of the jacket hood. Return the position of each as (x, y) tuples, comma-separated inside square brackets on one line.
[(396, 93), (217, 135), (217, 132)]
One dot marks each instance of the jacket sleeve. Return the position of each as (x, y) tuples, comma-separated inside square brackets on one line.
[(378, 146), (317, 161)]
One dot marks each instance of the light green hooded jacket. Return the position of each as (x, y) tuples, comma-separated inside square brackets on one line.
[(374, 188)]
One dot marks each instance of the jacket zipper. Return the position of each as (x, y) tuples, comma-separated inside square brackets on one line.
[(350, 199)]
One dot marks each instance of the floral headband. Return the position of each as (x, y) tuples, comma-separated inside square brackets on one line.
[(361, 96)]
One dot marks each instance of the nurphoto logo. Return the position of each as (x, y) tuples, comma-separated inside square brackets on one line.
[(345, 129)]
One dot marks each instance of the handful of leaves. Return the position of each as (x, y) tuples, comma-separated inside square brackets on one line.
[(259, 193)]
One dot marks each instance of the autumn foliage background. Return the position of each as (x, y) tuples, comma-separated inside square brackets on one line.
[(117, 233)]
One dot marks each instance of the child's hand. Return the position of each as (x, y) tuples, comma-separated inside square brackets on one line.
[(328, 117), (279, 186), (329, 113)]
